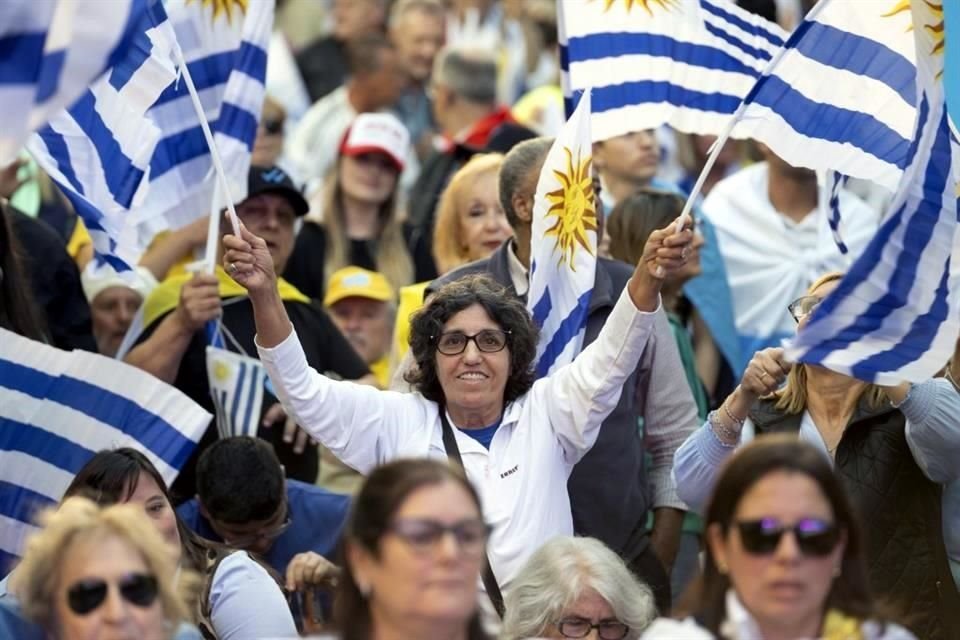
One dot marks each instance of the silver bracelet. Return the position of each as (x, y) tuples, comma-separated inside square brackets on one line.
[(726, 434)]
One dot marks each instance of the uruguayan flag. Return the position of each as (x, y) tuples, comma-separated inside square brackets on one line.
[(131, 155), (687, 63), (50, 52), (896, 314), (226, 53), (563, 248), (841, 95), (99, 150), (236, 385), (58, 408)]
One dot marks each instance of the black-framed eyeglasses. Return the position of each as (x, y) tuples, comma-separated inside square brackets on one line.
[(575, 627), (454, 343), (139, 589), (814, 537), (802, 307), (249, 539), (423, 535)]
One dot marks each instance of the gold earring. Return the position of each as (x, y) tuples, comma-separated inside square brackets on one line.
[(722, 567)]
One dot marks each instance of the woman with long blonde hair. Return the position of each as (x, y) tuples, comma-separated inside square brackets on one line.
[(892, 446), (358, 223)]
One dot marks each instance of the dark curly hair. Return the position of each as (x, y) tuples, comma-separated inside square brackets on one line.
[(503, 307)]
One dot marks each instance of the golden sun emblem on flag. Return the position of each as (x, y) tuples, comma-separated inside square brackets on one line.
[(225, 7), (666, 5), (935, 28), (221, 371), (573, 207)]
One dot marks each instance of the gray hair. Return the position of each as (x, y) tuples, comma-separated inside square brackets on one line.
[(556, 576), (402, 7), (517, 165), (469, 73)]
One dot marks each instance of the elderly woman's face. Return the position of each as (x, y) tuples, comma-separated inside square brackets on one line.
[(104, 592), (429, 560), (778, 575), (591, 613), (473, 380)]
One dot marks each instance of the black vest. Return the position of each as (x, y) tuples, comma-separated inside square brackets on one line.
[(899, 508)]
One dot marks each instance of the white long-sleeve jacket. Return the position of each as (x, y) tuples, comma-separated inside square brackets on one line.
[(522, 479)]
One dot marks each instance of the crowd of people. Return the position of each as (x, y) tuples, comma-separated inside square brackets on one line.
[(409, 475)]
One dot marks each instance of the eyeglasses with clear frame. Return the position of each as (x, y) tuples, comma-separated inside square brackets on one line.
[(423, 535), (453, 343), (802, 307), (575, 627)]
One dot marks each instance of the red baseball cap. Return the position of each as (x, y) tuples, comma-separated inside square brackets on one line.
[(377, 133)]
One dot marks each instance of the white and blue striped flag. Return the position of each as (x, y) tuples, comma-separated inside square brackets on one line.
[(131, 154), (99, 150), (225, 47), (687, 63), (236, 386), (896, 314), (841, 95), (58, 408), (50, 52), (563, 252)]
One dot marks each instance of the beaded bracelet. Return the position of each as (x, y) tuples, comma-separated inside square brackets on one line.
[(739, 421), (726, 434)]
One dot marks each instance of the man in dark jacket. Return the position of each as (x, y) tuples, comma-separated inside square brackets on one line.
[(610, 488), (464, 88)]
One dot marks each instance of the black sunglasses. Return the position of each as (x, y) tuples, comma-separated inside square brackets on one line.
[(138, 589), (814, 537)]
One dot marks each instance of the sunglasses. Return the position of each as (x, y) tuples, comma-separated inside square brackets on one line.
[(814, 537), (138, 589)]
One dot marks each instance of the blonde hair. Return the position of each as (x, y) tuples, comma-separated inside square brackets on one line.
[(792, 398), (391, 256), (36, 578), (449, 248)]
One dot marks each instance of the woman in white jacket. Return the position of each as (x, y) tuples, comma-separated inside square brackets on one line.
[(474, 346)]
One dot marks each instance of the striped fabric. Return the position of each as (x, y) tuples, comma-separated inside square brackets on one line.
[(841, 95), (98, 151), (236, 386), (50, 52), (895, 316), (226, 53), (687, 63), (58, 408), (563, 252), (131, 155)]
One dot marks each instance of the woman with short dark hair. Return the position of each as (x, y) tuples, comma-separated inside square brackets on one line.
[(402, 577), (784, 557), (475, 397)]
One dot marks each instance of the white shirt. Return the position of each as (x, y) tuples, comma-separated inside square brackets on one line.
[(522, 479), (740, 625), (769, 258), (246, 603)]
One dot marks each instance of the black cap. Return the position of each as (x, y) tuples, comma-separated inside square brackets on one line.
[(275, 180)]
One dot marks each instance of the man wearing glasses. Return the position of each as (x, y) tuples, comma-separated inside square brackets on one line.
[(292, 525)]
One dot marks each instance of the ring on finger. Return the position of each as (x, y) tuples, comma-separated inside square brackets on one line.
[(233, 267)]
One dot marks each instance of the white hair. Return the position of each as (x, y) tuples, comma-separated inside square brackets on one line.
[(558, 574)]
